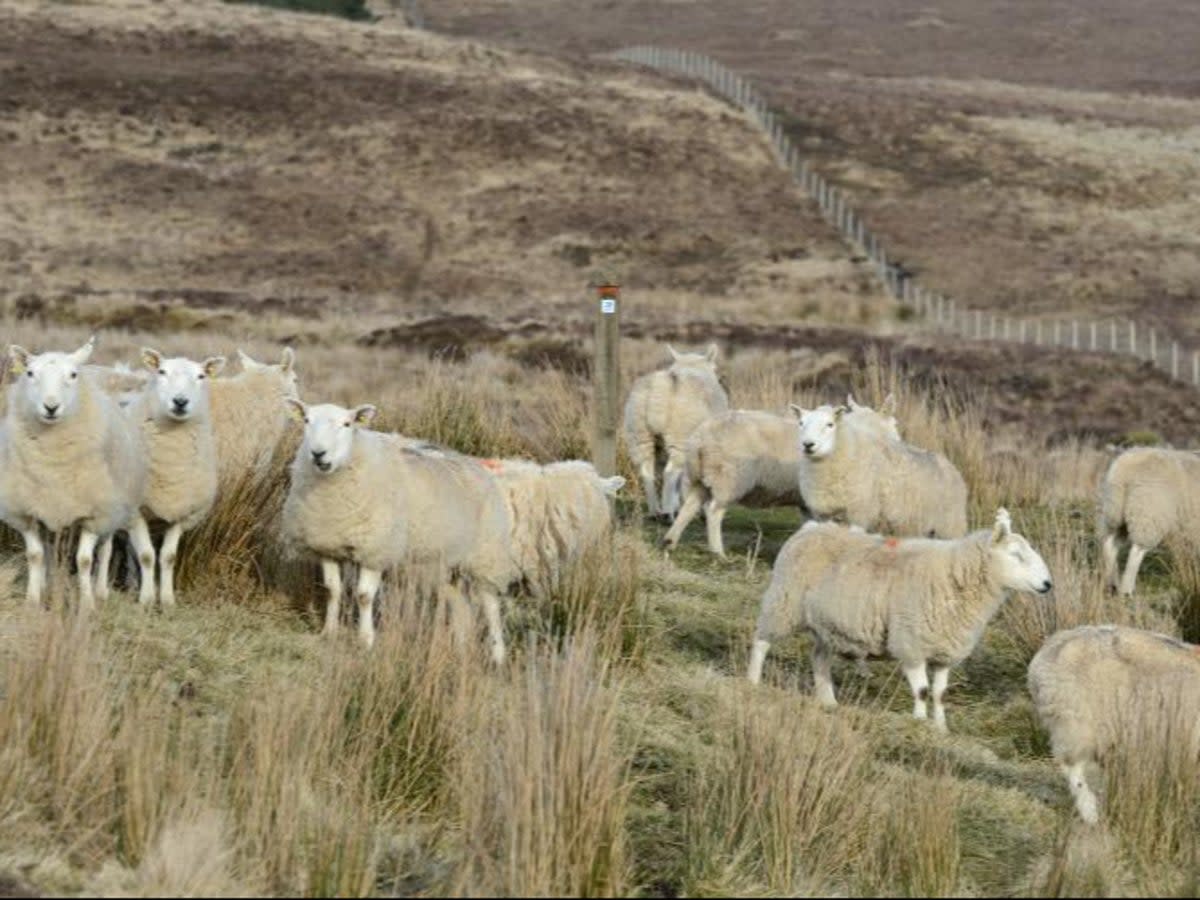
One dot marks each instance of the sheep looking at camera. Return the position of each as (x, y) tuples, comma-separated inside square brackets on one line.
[(380, 501), (662, 411), (173, 416), (68, 457), (863, 477)]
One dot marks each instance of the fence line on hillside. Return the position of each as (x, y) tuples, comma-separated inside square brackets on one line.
[(944, 314)]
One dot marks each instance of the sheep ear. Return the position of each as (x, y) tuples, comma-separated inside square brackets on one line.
[(84, 353), (798, 411), (888, 406), (1003, 527), (297, 411), (713, 353), (18, 359), (851, 402), (612, 485), (673, 352), (365, 415), (839, 412), (289, 359), (214, 365), (151, 359), (249, 363)]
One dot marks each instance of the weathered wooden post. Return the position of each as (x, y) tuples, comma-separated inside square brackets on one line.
[(606, 377)]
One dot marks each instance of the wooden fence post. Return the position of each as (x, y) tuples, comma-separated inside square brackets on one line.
[(606, 379)]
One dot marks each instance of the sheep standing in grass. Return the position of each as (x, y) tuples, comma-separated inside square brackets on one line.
[(864, 477), (67, 457), (559, 512), (662, 411), (248, 419), (173, 415), (748, 457), (1147, 495), (380, 501), (1090, 686), (919, 601)]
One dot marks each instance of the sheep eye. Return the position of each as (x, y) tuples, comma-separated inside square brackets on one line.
[(345, 424), (200, 377), (30, 373), (74, 374), (162, 371)]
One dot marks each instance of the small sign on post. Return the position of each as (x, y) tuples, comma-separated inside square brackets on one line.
[(606, 378)]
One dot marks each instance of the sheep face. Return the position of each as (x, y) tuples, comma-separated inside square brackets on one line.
[(47, 386), (329, 432), (818, 431), (1020, 567), (706, 360), (181, 386)]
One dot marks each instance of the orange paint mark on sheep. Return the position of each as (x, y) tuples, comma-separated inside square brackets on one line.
[(493, 465), (892, 543)]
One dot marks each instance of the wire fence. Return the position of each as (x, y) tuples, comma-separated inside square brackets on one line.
[(942, 313)]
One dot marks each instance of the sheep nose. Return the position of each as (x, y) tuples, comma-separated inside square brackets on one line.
[(181, 403), (51, 408), (809, 446), (1046, 585), (318, 455)]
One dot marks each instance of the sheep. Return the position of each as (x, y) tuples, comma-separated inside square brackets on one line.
[(865, 477), (173, 416), (920, 601), (247, 422), (748, 457), (1088, 684), (67, 457), (1147, 495), (379, 501), (558, 513), (661, 412)]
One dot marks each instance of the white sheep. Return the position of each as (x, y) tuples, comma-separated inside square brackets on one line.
[(752, 458), (1091, 684), (247, 420), (67, 457), (866, 477), (380, 501), (1147, 495), (559, 512), (173, 415), (922, 602), (662, 411)]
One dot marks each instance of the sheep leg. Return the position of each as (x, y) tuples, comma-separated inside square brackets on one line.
[(1132, 565), (691, 508), (84, 557), (918, 680), (35, 559), (822, 663), (368, 587), (495, 623), (139, 536), (103, 561), (1085, 800), (331, 574), (672, 478), (166, 563), (1111, 569), (941, 680), (646, 473), (758, 656), (462, 622), (714, 514)]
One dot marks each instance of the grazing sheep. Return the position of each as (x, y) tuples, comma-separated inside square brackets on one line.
[(558, 513), (919, 601), (380, 501), (662, 411), (1147, 495), (67, 457), (173, 415), (247, 421), (865, 477), (752, 458), (1090, 684)]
